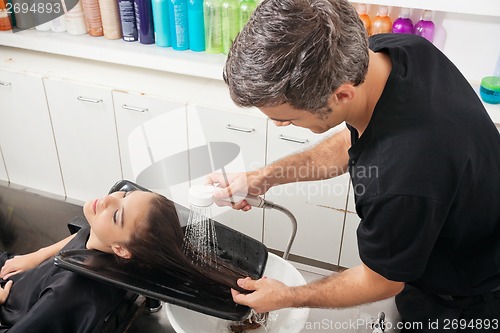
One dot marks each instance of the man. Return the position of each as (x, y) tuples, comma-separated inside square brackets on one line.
[(430, 215)]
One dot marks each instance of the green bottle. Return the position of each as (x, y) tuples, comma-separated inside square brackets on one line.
[(246, 9), (230, 23), (213, 25)]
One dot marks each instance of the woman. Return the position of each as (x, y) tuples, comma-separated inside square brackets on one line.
[(141, 228)]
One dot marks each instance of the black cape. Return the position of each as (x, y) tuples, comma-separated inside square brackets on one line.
[(51, 299)]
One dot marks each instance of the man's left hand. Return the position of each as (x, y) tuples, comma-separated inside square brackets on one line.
[(267, 295)]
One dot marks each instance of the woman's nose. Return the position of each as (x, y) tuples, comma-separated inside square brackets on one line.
[(108, 200)]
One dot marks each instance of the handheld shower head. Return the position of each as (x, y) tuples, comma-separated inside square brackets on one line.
[(202, 196)]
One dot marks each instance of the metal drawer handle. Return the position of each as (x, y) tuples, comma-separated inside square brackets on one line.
[(239, 129), (89, 100), (286, 138), (5, 84), (131, 108)]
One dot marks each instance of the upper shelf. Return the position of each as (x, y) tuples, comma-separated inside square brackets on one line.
[(477, 7), (199, 64)]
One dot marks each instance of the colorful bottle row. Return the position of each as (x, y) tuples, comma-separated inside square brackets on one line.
[(199, 25), (382, 23)]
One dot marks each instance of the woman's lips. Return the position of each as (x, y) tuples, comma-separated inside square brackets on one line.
[(94, 204)]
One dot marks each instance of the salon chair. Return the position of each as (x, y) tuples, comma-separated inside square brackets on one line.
[(146, 290)]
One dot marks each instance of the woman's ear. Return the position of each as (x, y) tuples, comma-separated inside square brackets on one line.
[(121, 251)]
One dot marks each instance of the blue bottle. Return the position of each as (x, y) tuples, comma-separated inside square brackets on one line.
[(161, 22), (144, 19), (178, 24), (127, 18), (196, 25)]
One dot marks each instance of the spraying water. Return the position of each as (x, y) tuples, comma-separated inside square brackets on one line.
[(200, 239)]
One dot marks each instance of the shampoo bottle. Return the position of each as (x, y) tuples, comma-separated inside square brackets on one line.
[(127, 19), (161, 22), (110, 16), (92, 15), (425, 27), (213, 25), (75, 21), (230, 23), (144, 19), (403, 24), (196, 25), (382, 23), (362, 9), (246, 9), (178, 24), (58, 24), (44, 26), (5, 24)]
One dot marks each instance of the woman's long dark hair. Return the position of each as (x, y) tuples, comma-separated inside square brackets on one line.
[(158, 245)]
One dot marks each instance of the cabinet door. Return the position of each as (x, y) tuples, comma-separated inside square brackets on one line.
[(85, 133), (3, 171), (319, 207), (349, 255), (227, 141), (26, 135), (152, 135)]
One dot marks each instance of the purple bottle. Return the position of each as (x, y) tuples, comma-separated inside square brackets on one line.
[(144, 18), (403, 24), (425, 27)]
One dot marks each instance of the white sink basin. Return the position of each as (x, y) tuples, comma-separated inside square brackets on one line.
[(282, 321)]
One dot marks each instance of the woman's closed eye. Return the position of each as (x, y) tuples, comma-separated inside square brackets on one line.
[(115, 215)]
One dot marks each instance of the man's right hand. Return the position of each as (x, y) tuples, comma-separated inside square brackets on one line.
[(238, 185)]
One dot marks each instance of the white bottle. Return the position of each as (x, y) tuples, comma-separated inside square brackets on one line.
[(58, 24), (44, 26), (75, 21)]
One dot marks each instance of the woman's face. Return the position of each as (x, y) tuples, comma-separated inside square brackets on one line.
[(114, 218)]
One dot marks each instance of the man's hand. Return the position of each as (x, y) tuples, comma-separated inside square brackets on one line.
[(268, 294), (4, 292), (236, 186)]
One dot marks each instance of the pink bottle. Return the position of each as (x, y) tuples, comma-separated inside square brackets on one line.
[(403, 24), (425, 27)]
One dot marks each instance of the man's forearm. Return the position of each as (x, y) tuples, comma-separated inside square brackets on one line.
[(326, 160), (355, 286)]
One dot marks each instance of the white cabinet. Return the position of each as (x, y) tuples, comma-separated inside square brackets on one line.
[(26, 137), (227, 141), (152, 135), (85, 133), (3, 171), (318, 206)]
